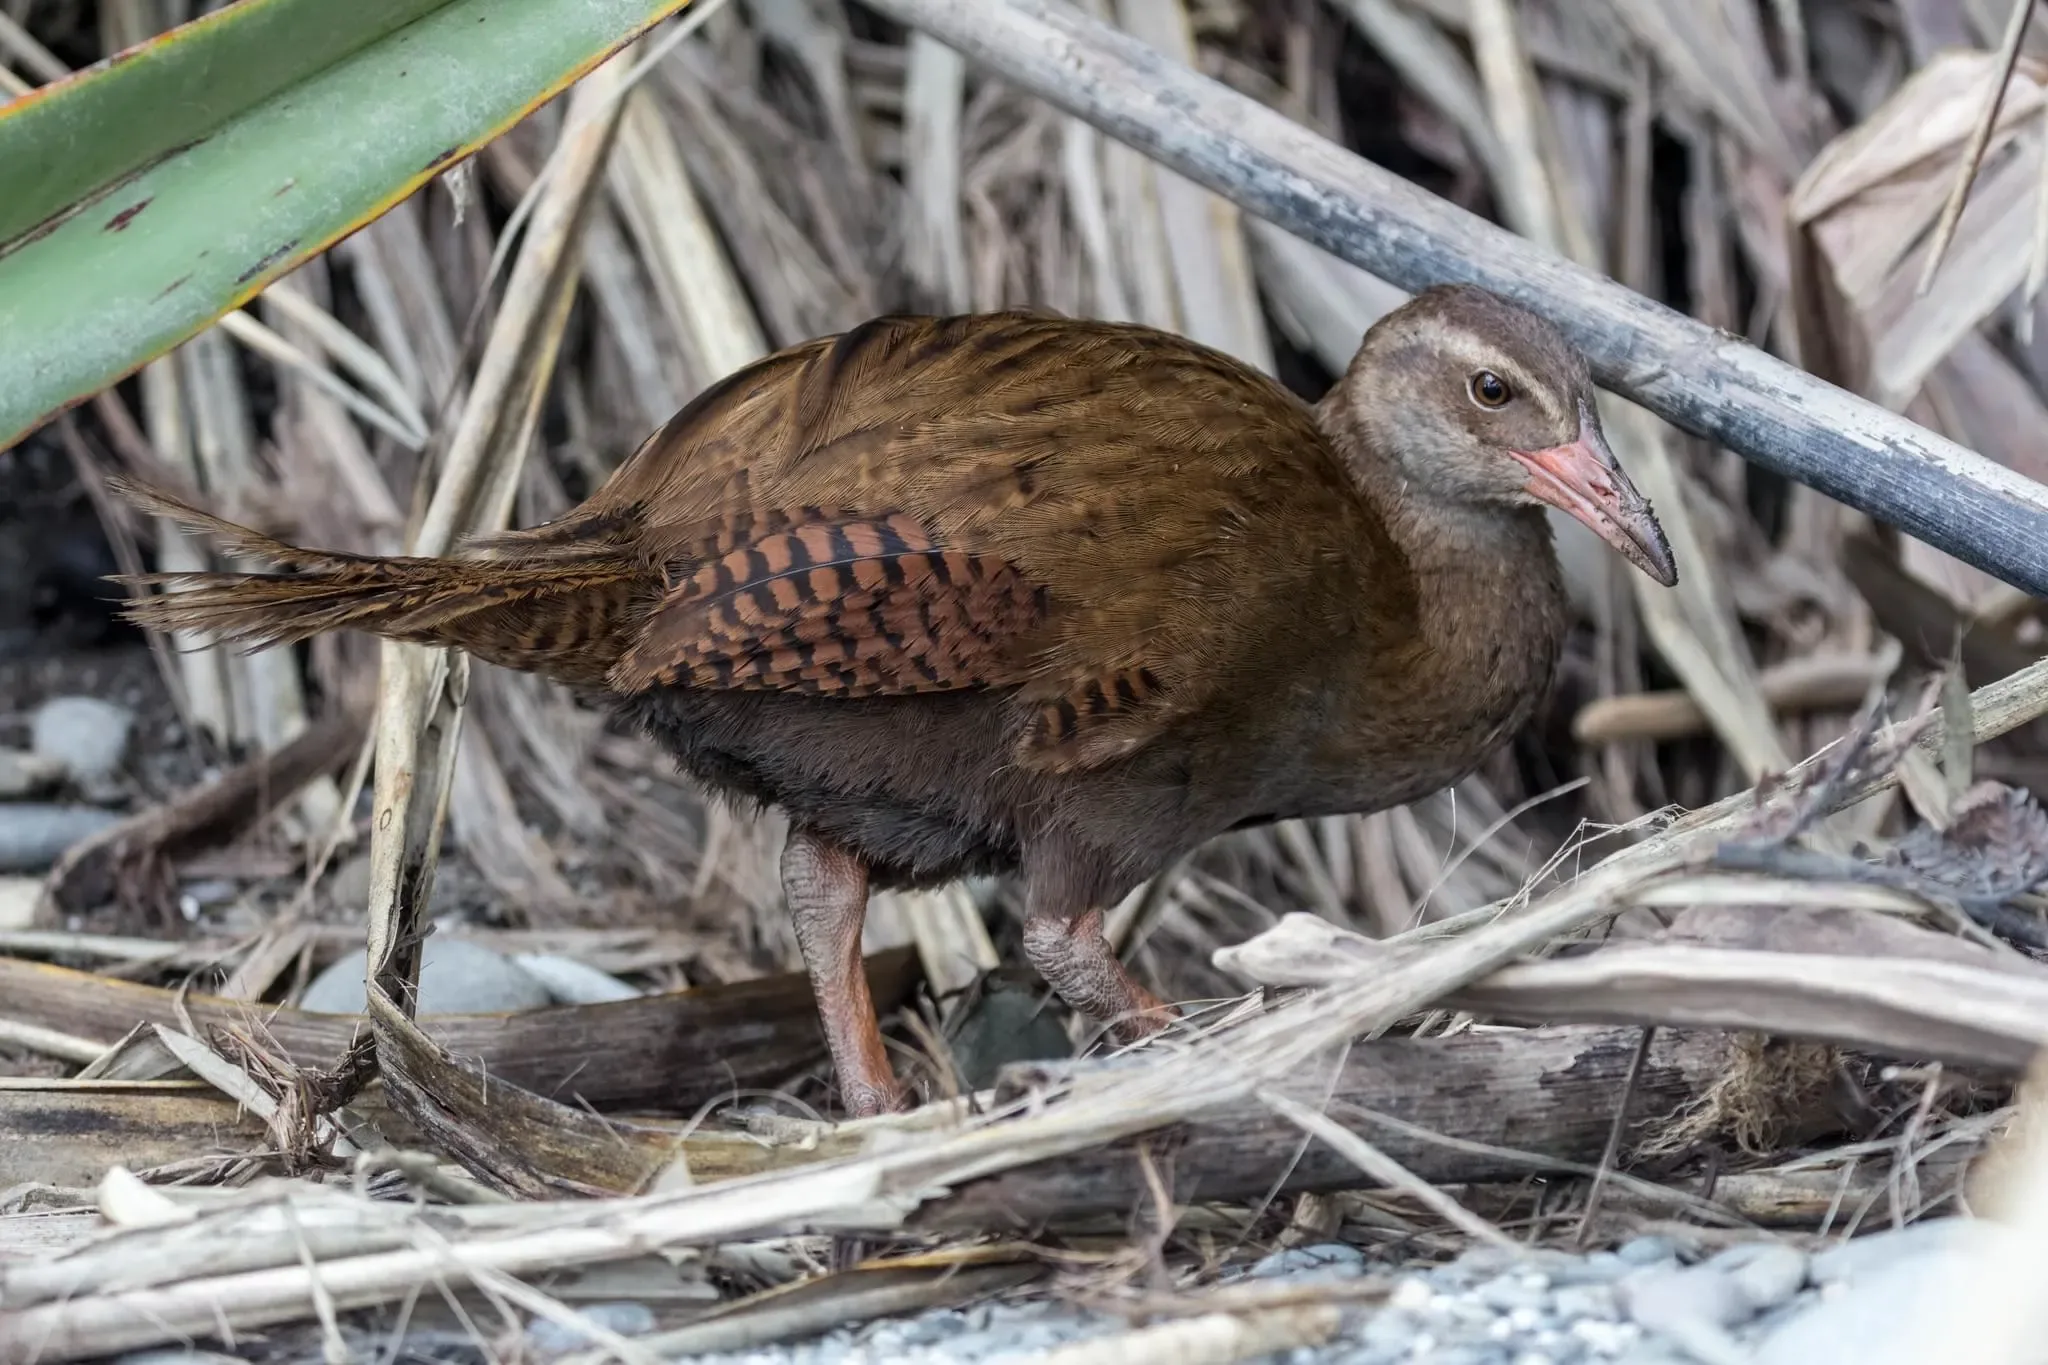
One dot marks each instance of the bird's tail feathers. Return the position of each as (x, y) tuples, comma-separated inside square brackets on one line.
[(567, 619)]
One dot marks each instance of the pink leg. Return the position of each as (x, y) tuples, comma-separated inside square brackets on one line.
[(1077, 962), (827, 891)]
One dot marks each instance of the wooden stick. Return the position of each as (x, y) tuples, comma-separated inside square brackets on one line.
[(1703, 380)]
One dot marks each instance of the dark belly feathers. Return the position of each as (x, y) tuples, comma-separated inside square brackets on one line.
[(921, 787)]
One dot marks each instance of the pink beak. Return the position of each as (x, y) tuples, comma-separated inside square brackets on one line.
[(1582, 479)]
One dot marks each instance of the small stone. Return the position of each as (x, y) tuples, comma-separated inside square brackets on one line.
[(456, 977), (1575, 1301), (548, 1337), (1533, 1358), (1524, 1319), (1485, 1260), (34, 836), (1662, 1298), (1513, 1291), (87, 736), (1390, 1329), (570, 982), (1605, 1338), (1322, 1256), (1767, 1274), (941, 1325), (1647, 1250), (347, 886), (210, 892), (1466, 1355), (1411, 1294), (26, 774), (1654, 1353), (1370, 1355), (1599, 1267)]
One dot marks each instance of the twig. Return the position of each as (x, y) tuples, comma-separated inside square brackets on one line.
[(1383, 1168), (1614, 1134)]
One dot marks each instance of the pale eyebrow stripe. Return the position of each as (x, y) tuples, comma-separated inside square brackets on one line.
[(1480, 352)]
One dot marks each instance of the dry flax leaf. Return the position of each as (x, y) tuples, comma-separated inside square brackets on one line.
[(1862, 211), (1214, 298), (1980, 137), (1715, 54), (934, 93), (705, 302)]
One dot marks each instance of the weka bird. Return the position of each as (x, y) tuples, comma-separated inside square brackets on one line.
[(1018, 592)]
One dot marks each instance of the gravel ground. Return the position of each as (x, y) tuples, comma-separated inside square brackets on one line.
[(1643, 1303)]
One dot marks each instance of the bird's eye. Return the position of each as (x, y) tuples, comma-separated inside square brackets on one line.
[(1489, 390)]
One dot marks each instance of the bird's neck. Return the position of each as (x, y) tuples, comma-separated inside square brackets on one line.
[(1489, 592), (1490, 621)]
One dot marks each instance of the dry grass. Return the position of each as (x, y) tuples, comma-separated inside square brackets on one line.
[(754, 175)]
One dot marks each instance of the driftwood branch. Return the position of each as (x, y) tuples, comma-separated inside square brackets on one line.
[(672, 1051), (1515, 1102), (1694, 376)]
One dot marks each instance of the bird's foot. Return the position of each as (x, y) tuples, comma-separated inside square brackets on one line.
[(867, 1097), (1147, 1017)]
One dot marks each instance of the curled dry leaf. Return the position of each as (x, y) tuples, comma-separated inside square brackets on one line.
[(1862, 213), (1996, 844)]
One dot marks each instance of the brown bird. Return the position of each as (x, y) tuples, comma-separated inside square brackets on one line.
[(1019, 592)]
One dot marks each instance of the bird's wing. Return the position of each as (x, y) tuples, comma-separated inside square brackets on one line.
[(1106, 517)]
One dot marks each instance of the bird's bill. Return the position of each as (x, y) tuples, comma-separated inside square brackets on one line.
[(1582, 479)]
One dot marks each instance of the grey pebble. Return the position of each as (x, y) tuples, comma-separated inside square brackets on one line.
[(1647, 1250), (548, 1337), (348, 886), (1514, 1291), (33, 836), (570, 982), (26, 774), (211, 891), (1469, 1355), (1766, 1274), (1653, 1353), (1597, 1301), (456, 977), (1662, 1298), (1321, 1256), (1599, 1267), (88, 736), (1390, 1329)]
